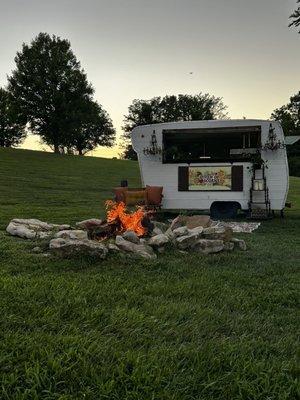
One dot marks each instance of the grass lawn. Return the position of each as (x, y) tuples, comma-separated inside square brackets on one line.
[(182, 327)]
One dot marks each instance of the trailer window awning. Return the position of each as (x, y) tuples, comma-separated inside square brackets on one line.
[(289, 140)]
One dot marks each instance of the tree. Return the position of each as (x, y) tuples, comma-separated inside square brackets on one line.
[(51, 91), (95, 128), (167, 109), (296, 17), (12, 128), (289, 116)]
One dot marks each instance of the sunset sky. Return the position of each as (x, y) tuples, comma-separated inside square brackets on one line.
[(240, 50)]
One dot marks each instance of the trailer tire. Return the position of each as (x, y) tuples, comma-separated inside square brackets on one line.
[(224, 209)]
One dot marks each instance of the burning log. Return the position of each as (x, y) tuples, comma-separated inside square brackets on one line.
[(137, 221), (119, 220)]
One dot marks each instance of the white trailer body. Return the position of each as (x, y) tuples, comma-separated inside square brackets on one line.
[(220, 144)]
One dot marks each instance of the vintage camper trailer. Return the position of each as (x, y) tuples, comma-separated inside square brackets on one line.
[(219, 165)]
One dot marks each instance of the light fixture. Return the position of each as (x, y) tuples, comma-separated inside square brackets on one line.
[(153, 149), (272, 143)]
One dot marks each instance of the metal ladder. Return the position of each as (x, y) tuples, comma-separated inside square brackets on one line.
[(259, 208)]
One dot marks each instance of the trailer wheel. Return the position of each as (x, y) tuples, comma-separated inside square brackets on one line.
[(224, 209)]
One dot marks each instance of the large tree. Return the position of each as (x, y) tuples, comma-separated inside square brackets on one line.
[(169, 108), (12, 127), (51, 91), (95, 128), (296, 17)]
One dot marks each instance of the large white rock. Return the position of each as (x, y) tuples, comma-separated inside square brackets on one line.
[(88, 224), (198, 230), (206, 246), (32, 228), (73, 235), (218, 233), (187, 241), (158, 240), (131, 236), (156, 231), (28, 230), (181, 231), (70, 247), (160, 225), (170, 234), (141, 250)]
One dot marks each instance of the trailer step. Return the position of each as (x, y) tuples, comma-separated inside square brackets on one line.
[(259, 213)]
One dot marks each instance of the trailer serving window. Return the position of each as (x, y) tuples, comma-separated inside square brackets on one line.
[(210, 145)]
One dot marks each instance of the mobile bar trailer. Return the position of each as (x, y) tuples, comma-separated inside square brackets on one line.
[(219, 165)]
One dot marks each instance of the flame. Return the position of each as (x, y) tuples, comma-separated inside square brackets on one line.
[(129, 222)]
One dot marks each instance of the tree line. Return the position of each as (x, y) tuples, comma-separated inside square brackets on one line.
[(48, 94)]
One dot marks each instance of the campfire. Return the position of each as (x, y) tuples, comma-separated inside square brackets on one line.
[(120, 220), (116, 213)]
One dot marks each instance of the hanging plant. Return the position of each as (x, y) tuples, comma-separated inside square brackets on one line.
[(257, 162)]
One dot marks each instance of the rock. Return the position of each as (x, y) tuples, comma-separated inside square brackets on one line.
[(141, 250), (160, 225), (187, 241), (113, 248), (206, 246), (63, 227), (218, 232), (228, 246), (190, 222), (65, 247), (198, 230), (195, 221), (145, 252), (131, 236), (37, 249), (32, 222), (88, 224), (240, 243), (73, 235), (181, 231), (29, 228), (156, 231), (158, 240), (177, 222), (170, 233), (32, 228)]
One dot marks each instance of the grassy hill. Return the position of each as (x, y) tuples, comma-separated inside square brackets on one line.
[(183, 327)]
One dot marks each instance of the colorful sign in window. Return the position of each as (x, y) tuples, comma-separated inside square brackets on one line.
[(209, 178)]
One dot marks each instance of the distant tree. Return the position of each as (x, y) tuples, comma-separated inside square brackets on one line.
[(296, 17), (289, 116), (12, 128), (169, 108), (94, 128), (51, 91)]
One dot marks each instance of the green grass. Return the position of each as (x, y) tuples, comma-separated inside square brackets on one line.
[(183, 327)]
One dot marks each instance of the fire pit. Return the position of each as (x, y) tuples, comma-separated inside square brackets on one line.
[(119, 220), (134, 233)]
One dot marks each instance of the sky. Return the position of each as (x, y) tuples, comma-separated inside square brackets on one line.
[(240, 50)]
